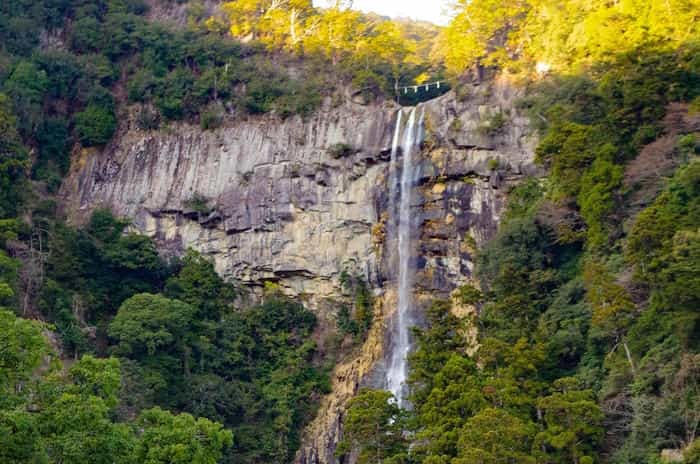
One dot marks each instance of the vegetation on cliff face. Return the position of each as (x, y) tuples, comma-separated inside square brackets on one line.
[(576, 362), (69, 69)]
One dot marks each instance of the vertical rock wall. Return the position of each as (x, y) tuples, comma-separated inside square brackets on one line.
[(268, 200)]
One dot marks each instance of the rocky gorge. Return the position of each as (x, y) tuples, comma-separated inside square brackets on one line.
[(297, 201)]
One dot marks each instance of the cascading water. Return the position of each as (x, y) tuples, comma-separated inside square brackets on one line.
[(397, 371)]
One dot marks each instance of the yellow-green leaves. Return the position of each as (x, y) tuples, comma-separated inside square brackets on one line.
[(179, 439), (22, 348), (563, 35), (148, 323), (493, 436), (612, 306), (378, 54), (573, 424), (477, 32), (276, 23)]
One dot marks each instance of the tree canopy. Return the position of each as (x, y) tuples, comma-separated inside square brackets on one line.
[(562, 36)]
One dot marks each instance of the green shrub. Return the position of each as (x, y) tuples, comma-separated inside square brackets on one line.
[(14, 161), (137, 7), (597, 198), (53, 138), (281, 94), (212, 116), (19, 34), (302, 99), (368, 82), (260, 96), (692, 453), (141, 86), (101, 97), (65, 73), (645, 134), (172, 94), (95, 125), (524, 199), (494, 124), (355, 320), (26, 86), (198, 203), (694, 106), (340, 150), (147, 118), (87, 35), (687, 146), (469, 295)]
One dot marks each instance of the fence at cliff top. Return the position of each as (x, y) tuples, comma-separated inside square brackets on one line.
[(412, 95), (397, 369), (417, 87)]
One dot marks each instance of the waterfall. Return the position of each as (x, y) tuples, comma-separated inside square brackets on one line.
[(397, 370)]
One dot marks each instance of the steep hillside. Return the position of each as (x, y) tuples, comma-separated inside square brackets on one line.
[(586, 324), (267, 232)]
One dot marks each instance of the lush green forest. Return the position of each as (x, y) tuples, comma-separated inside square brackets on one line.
[(587, 298), (166, 334)]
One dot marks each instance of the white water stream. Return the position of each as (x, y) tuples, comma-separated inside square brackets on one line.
[(397, 369)]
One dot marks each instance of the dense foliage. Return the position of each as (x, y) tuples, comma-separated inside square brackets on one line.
[(375, 425), (111, 56), (59, 416), (563, 36), (14, 161), (587, 309), (253, 370), (355, 318), (179, 344), (566, 350), (377, 54), (103, 60)]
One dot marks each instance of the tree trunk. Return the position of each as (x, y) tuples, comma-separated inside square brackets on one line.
[(293, 26), (186, 360), (629, 358)]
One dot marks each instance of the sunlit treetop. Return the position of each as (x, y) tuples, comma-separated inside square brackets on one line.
[(345, 37), (561, 35)]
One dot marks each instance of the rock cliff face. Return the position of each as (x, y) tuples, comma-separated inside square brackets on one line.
[(268, 200), (477, 147), (297, 201)]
